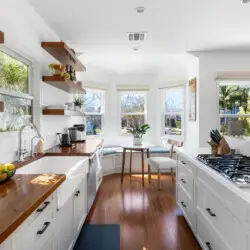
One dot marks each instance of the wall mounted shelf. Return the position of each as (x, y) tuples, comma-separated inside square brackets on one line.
[(1, 37), (64, 84), (61, 52), (62, 112)]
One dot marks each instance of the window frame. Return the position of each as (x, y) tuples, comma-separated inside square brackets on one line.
[(145, 113), (102, 113), (164, 113), (241, 82), (32, 88)]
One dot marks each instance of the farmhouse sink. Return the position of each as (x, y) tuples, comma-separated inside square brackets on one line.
[(74, 167)]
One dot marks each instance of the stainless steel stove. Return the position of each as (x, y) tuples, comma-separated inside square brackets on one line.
[(235, 168)]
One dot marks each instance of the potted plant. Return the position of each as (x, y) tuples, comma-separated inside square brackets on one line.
[(78, 102), (138, 131)]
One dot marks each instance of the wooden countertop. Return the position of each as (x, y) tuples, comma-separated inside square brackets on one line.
[(78, 149), (21, 195)]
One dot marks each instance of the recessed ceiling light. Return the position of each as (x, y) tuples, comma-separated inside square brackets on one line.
[(140, 9)]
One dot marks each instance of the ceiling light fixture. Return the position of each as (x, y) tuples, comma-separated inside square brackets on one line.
[(245, 1), (140, 9)]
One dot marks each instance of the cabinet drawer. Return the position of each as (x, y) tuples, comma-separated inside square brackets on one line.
[(37, 227), (228, 226), (186, 180), (234, 203), (186, 205), (184, 161), (207, 235)]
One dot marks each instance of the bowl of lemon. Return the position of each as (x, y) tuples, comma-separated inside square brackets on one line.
[(7, 170)]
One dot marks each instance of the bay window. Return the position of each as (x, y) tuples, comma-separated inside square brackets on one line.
[(132, 109), (94, 111), (173, 110)]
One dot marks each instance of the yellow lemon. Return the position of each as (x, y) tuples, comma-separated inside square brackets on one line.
[(2, 168), (9, 166), (3, 176)]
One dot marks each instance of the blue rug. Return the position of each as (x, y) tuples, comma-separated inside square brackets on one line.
[(99, 237)]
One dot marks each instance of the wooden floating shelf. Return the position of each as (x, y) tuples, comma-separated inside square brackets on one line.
[(64, 84), (62, 112), (61, 52), (1, 37)]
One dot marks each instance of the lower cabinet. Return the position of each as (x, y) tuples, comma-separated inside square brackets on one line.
[(80, 207), (65, 226), (71, 217)]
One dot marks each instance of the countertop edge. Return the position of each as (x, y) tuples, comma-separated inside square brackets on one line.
[(8, 231)]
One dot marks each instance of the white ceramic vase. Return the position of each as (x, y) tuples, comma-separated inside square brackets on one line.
[(137, 141)]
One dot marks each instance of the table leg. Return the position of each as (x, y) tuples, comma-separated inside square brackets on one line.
[(142, 162), (130, 166), (149, 169), (123, 163)]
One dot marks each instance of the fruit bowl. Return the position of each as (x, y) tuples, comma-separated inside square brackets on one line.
[(6, 172)]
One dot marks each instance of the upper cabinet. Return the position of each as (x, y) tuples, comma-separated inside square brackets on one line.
[(61, 52), (1, 37)]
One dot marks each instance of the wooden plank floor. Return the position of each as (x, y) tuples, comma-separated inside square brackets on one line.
[(149, 218)]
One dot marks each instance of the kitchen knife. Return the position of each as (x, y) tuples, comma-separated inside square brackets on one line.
[(213, 137), (217, 135)]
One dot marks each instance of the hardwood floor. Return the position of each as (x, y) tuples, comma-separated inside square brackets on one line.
[(149, 218)]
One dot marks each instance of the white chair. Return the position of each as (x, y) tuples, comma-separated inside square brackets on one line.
[(164, 163)]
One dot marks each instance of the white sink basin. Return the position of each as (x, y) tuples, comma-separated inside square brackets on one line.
[(74, 167)]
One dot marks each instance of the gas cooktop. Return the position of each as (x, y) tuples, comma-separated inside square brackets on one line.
[(235, 168)]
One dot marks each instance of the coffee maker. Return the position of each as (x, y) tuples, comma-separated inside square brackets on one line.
[(80, 133)]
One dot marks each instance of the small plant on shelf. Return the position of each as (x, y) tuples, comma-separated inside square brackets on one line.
[(138, 131)]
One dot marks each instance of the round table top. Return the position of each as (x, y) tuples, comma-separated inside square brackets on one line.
[(133, 146)]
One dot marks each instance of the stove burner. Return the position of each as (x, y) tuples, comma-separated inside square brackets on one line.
[(233, 167)]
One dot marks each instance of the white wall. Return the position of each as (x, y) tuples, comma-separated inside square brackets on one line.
[(208, 112), (24, 30)]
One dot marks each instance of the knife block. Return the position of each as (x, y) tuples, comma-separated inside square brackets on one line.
[(223, 147)]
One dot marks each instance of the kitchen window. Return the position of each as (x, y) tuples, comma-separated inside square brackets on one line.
[(173, 110), (94, 111), (132, 109), (15, 91), (234, 108)]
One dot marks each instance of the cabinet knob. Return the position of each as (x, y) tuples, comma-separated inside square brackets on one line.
[(210, 212), (183, 162)]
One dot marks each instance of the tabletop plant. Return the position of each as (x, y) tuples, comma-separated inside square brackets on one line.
[(138, 131)]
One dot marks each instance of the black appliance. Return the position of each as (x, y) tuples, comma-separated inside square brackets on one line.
[(64, 140), (235, 168)]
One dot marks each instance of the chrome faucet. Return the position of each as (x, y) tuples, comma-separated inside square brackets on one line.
[(21, 152)]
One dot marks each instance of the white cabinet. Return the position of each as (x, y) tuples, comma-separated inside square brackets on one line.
[(80, 207), (38, 229), (217, 216), (7, 244), (65, 226)]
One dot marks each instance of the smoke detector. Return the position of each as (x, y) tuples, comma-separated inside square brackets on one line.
[(140, 9), (245, 1)]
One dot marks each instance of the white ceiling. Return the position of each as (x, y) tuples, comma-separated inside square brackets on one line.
[(99, 27)]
